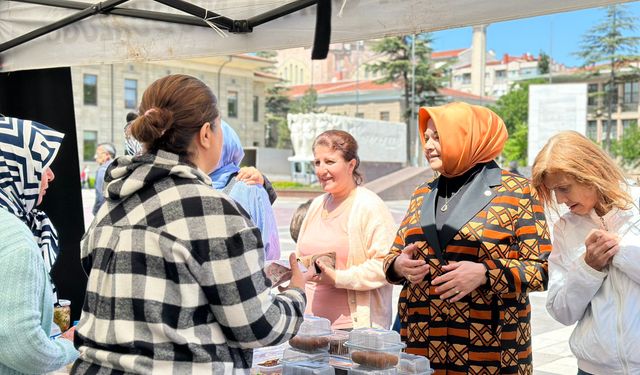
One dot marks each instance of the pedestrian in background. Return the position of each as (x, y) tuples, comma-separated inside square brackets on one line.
[(105, 153), (594, 268)]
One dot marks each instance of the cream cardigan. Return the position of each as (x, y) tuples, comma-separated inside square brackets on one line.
[(371, 232)]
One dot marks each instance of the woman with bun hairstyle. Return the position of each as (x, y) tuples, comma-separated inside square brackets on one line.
[(594, 268), (176, 282), (472, 246)]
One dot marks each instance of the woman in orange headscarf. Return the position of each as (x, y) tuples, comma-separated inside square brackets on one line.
[(473, 244)]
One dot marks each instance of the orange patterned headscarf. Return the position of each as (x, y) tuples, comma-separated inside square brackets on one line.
[(469, 134)]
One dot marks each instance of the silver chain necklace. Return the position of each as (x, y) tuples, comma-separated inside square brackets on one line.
[(445, 206)]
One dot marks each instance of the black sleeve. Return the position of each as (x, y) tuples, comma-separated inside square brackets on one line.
[(270, 190)]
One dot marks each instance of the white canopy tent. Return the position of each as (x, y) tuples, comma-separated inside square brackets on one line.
[(116, 35)]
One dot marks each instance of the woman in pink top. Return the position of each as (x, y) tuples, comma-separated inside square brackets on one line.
[(355, 224)]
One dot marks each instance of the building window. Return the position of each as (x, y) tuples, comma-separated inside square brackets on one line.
[(466, 78), (592, 97), (630, 96), (384, 115), (90, 138), (501, 75), (256, 111), (90, 89), (626, 124), (130, 93), (592, 130), (613, 93), (232, 104), (614, 130), (359, 115)]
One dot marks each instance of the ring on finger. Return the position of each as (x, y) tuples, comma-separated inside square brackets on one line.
[(457, 291)]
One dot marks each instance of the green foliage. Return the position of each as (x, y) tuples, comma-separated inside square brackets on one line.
[(290, 185), (516, 146), (628, 148), (396, 66), (606, 43), (513, 107), (277, 106), (543, 63), (308, 103)]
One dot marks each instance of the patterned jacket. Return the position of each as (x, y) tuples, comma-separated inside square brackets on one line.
[(500, 223), (176, 282)]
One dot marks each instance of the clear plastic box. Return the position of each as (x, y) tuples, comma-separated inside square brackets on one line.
[(359, 370), (336, 343), (411, 364), (307, 368), (313, 335), (269, 370), (375, 349), (292, 355)]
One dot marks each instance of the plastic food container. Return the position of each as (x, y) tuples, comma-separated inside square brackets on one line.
[(414, 364), (292, 355), (359, 370), (313, 335), (307, 368), (374, 349), (269, 370), (336, 343)]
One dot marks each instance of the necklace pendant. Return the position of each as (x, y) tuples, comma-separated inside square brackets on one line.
[(444, 207)]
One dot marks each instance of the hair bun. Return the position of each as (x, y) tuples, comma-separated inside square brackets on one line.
[(151, 125)]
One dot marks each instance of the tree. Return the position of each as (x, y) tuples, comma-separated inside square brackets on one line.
[(396, 66), (277, 105), (627, 147), (543, 63), (605, 43), (516, 147), (513, 108), (308, 103)]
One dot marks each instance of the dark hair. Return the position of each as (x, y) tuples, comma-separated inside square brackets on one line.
[(109, 148), (340, 140), (297, 218), (172, 111), (131, 116)]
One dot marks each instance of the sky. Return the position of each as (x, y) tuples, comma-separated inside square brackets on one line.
[(558, 35)]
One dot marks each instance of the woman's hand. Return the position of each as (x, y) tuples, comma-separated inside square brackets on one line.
[(250, 176), (327, 273), (297, 277), (460, 279), (414, 270), (68, 334), (601, 247)]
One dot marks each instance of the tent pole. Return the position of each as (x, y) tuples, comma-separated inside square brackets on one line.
[(125, 12), (101, 7), (279, 12), (202, 13)]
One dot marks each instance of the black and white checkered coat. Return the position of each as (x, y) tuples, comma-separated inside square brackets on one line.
[(176, 282)]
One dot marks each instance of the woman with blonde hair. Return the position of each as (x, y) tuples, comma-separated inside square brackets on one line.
[(594, 268), (472, 245)]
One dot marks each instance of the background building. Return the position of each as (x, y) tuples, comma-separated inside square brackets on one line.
[(104, 94)]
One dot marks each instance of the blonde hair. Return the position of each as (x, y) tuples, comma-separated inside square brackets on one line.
[(573, 154)]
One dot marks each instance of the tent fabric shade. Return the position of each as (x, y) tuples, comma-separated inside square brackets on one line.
[(112, 38)]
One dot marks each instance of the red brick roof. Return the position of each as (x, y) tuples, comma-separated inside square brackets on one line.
[(342, 87), (371, 85), (447, 54)]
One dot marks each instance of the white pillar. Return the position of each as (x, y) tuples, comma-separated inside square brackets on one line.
[(478, 59)]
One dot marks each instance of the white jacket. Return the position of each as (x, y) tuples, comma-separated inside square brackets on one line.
[(605, 304)]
